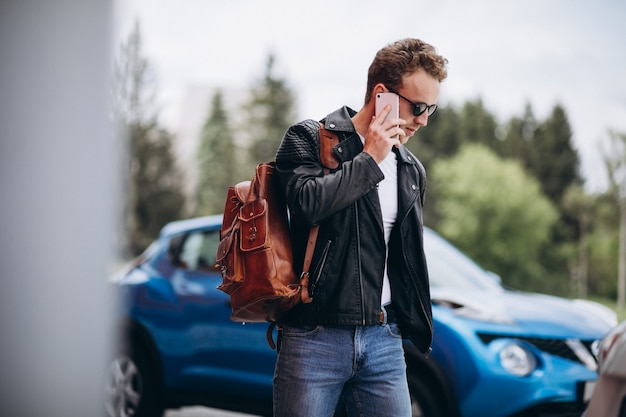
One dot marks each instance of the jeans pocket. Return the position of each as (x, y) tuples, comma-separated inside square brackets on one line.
[(302, 330), (394, 330)]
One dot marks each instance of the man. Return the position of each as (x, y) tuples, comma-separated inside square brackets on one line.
[(368, 275)]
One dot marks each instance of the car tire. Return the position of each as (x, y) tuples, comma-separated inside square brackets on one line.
[(425, 401), (131, 389), (430, 390)]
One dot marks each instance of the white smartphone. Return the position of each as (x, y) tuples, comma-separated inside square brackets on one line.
[(382, 99)]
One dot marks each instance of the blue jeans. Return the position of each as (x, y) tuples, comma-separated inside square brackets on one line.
[(363, 365)]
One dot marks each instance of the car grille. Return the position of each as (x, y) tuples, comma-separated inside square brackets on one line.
[(556, 347)]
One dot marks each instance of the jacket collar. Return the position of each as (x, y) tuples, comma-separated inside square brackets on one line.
[(340, 122)]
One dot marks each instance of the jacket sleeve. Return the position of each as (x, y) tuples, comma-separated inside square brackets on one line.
[(311, 195)]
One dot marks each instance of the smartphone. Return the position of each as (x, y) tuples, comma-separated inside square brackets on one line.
[(382, 99)]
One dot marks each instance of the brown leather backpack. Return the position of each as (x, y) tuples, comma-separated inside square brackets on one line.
[(255, 253)]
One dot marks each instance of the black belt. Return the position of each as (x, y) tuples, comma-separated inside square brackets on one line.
[(390, 313)]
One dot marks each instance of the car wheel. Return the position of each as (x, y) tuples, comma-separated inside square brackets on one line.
[(425, 401), (130, 387)]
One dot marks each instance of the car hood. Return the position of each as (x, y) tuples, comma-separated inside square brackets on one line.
[(531, 313)]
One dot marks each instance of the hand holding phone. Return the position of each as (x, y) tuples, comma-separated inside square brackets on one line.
[(378, 142), (382, 99)]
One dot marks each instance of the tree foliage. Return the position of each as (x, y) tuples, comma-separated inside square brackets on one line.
[(270, 111), (448, 129), (604, 247), (508, 194), (217, 160), (153, 182), (495, 212), (157, 181), (555, 162), (517, 142), (615, 163)]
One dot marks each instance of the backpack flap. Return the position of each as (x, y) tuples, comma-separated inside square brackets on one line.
[(253, 219), (235, 198)]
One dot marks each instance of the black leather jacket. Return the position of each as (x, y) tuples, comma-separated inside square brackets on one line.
[(347, 267)]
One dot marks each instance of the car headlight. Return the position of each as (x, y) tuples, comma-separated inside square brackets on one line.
[(517, 360)]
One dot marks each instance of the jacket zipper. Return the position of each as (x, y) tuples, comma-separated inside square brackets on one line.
[(415, 284), (320, 267), (358, 252)]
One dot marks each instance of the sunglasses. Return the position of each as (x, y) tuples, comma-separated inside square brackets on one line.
[(418, 108)]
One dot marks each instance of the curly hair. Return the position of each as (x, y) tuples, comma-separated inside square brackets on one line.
[(404, 57)]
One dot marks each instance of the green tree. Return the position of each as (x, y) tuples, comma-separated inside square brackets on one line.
[(604, 246), (520, 131), (158, 183), (555, 162), (270, 111), (478, 124), (579, 205), (152, 180), (448, 129), (217, 162), (615, 162), (546, 151), (495, 212), (440, 138)]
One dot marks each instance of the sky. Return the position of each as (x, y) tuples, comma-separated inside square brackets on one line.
[(506, 52)]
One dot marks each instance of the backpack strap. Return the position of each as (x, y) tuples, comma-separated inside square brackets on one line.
[(327, 141)]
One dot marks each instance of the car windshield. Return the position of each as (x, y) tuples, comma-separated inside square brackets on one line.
[(450, 268)]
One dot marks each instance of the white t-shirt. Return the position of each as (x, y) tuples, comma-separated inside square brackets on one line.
[(388, 196)]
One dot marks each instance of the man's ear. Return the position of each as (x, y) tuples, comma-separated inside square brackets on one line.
[(379, 88)]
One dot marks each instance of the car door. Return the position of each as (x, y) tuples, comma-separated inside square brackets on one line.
[(221, 356)]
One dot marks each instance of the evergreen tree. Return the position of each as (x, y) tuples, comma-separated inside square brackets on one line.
[(217, 164), (440, 138), (520, 131), (153, 182), (157, 181), (478, 124), (270, 111), (448, 129), (555, 162)]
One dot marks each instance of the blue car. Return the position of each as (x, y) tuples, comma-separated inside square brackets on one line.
[(496, 352)]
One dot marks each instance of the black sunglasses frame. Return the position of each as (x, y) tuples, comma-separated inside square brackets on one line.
[(418, 108)]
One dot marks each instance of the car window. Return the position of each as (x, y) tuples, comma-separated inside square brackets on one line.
[(198, 251), (450, 268)]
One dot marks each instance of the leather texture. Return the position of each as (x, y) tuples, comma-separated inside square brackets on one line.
[(255, 254), (346, 274)]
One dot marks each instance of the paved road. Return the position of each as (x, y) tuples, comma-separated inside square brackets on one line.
[(203, 412)]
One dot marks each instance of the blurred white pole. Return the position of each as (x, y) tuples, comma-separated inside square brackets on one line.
[(57, 202)]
